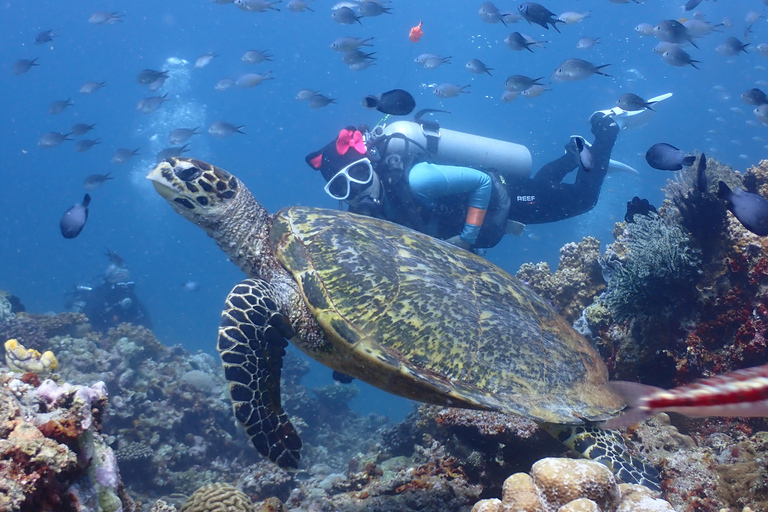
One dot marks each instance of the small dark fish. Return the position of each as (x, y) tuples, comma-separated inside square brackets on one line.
[(172, 152), (180, 135), (518, 42), (94, 181), (82, 128), (353, 57), (665, 157), (23, 65), (538, 14), (249, 80), (691, 4), (701, 175), (52, 139), (347, 44), (121, 156), (672, 31), (370, 8), (84, 145), (157, 84), (73, 220), (586, 161), (342, 378), (751, 209), (204, 60), (150, 104), (732, 47), (105, 18), (477, 66), (396, 102), (57, 107), (489, 13), (224, 84), (632, 102), (221, 129), (638, 206), (571, 70), (256, 56), (345, 16), (754, 96), (320, 101), (91, 87), (519, 83), (46, 36), (676, 56), (148, 76), (257, 5)]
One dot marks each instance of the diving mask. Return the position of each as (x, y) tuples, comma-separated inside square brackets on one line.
[(340, 185)]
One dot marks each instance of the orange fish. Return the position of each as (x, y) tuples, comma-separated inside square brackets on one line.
[(416, 33)]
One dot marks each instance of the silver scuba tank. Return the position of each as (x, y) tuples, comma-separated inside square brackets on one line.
[(449, 147)]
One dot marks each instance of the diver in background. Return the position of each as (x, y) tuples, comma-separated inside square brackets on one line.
[(111, 301), (409, 173)]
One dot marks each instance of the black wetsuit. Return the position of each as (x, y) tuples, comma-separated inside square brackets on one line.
[(545, 198)]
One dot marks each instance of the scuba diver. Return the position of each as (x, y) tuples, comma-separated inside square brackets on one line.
[(463, 188), (110, 300)]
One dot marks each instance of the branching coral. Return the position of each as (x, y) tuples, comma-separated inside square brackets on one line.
[(660, 270)]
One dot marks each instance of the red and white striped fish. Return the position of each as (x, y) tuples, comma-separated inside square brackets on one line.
[(743, 393)]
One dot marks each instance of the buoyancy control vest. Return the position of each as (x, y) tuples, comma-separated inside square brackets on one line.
[(410, 142)]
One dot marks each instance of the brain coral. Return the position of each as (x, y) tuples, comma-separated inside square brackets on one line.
[(218, 498), (571, 485)]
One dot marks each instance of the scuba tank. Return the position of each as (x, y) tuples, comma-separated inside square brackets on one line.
[(429, 142)]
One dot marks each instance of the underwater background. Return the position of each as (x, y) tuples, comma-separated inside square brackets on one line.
[(164, 251)]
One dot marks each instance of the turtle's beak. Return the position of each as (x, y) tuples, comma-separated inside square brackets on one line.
[(163, 179)]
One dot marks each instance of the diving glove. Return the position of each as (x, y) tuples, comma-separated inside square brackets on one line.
[(459, 242)]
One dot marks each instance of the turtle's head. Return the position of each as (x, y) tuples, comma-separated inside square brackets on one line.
[(197, 190)]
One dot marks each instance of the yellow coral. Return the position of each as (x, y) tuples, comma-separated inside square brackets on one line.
[(20, 359)]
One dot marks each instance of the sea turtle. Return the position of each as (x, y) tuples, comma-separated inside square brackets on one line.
[(398, 309)]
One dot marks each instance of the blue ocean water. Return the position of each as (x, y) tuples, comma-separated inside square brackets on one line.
[(163, 251)]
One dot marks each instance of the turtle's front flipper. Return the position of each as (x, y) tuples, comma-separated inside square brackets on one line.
[(606, 447), (252, 341)]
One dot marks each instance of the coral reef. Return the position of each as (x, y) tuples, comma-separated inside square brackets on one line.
[(33, 331), (568, 485), (218, 497), (657, 273), (575, 283), (53, 455)]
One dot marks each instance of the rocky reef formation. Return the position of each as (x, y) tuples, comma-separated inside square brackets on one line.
[(568, 485), (575, 283), (53, 452), (685, 298)]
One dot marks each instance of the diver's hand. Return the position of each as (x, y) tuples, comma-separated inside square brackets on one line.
[(459, 242), (603, 124)]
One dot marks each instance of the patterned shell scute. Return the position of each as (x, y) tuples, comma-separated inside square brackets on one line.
[(417, 302)]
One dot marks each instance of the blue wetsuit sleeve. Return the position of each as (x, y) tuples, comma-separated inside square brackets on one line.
[(428, 182)]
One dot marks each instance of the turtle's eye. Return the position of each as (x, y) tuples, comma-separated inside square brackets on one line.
[(187, 173)]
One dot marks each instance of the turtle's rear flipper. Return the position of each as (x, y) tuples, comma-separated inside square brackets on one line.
[(252, 341), (608, 448)]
